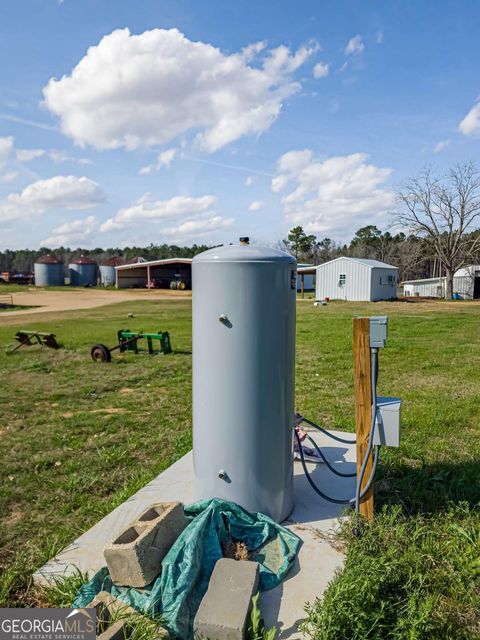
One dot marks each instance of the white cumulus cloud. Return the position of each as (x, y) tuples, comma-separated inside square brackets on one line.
[(59, 192), (182, 217), (27, 155), (289, 166), (471, 122), (354, 46), (332, 196), (74, 231), (58, 156), (198, 228), (142, 90), (321, 70), (9, 176), (164, 159), (256, 205)]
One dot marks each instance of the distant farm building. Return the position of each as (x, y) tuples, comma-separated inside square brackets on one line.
[(171, 273), (466, 285), (136, 260), (356, 279), (306, 277)]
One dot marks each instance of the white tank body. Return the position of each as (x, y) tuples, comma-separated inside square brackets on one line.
[(244, 301)]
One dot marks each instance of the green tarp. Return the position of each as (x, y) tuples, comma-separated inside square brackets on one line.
[(186, 569)]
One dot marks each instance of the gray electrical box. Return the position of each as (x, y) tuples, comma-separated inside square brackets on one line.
[(378, 331), (387, 423)]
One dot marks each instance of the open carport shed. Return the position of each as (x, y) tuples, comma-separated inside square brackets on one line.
[(155, 274)]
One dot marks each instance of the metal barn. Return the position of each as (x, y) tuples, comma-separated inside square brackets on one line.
[(466, 285), (356, 279), (155, 274), (306, 277)]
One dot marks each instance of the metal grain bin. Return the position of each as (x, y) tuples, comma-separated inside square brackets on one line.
[(83, 272), (107, 271), (244, 376), (49, 271)]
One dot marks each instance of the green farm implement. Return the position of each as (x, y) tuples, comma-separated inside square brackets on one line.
[(128, 341)]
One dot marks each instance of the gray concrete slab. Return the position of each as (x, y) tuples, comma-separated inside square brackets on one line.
[(312, 519)]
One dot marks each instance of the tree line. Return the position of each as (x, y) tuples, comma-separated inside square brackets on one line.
[(22, 260), (438, 217)]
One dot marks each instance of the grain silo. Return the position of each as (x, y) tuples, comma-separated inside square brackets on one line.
[(83, 272), (49, 271), (107, 271)]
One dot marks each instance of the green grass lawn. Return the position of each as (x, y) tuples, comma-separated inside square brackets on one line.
[(77, 438)]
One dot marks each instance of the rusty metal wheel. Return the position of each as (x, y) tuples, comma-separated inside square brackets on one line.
[(100, 353)]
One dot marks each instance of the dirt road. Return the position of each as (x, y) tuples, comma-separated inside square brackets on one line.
[(45, 301)]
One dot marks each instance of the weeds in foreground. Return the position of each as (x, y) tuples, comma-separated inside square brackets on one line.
[(60, 592), (405, 577), (256, 629)]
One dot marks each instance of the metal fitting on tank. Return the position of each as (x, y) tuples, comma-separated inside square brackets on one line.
[(222, 474)]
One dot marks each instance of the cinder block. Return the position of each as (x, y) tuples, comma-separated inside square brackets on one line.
[(223, 612), (120, 630), (135, 557), (105, 606)]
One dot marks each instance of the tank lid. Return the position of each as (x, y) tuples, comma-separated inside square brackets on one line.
[(83, 260), (244, 253), (48, 259)]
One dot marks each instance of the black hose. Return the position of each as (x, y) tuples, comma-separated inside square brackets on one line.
[(359, 494), (311, 482), (332, 469), (327, 433), (324, 495)]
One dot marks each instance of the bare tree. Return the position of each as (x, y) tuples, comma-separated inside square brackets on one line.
[(444, 212)]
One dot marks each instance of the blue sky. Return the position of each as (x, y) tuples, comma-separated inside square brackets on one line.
[(198, 121)]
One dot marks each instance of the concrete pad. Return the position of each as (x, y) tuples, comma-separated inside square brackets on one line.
[(224, 609), (313, 520)]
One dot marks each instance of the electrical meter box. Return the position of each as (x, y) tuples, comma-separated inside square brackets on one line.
[(387, 423), (378, 331)]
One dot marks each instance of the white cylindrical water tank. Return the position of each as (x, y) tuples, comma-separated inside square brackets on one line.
[(244, 300)]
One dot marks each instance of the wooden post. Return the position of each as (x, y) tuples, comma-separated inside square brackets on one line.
[(303, 284), (363, 405)]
